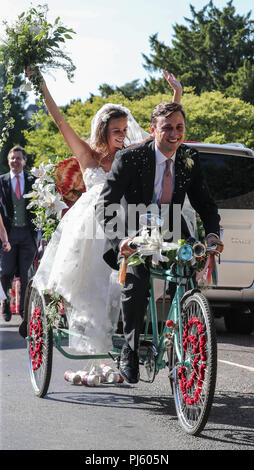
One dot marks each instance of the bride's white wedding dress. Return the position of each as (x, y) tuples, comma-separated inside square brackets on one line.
[(73, 267)]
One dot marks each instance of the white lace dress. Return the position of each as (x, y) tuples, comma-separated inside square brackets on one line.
[(73, 267)]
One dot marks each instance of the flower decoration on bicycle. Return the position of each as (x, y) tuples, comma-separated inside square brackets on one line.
[(150, 244)]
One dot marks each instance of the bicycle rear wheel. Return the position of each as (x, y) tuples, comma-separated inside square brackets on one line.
[(40, 345), (194, 381)]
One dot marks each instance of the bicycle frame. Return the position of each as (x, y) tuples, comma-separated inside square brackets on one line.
[(187, 335), (59, 334), (181, 278), (157, 338)]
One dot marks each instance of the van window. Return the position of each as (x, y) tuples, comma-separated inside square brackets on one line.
[(230, 179)]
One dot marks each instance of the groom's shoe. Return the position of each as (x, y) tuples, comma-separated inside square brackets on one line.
[(129, 364), (7, 311)]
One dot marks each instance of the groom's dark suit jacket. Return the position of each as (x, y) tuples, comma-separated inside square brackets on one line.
[(6, 205), (132, 177)]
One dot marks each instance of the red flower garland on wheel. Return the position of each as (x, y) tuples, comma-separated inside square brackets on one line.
[(199, 350), (36, 333)]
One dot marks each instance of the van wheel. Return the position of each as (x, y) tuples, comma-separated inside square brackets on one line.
[(240, 320)]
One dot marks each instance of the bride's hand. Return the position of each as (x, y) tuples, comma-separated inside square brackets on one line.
[(29, 72), (174, 84), (172, 81)]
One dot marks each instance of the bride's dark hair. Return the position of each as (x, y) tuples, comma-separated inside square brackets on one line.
[(100, 141)]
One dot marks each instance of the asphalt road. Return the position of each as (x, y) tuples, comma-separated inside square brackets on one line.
[(121, 417)]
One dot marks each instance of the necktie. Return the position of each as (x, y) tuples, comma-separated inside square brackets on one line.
[(167, 185), (17, 188)]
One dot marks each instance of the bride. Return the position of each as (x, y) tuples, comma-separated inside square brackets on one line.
[(72, 265)]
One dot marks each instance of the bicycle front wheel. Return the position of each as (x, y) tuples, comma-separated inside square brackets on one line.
[(194, 379), (40, 345)]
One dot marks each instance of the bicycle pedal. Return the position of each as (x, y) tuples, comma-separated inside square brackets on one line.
[(116, 359)]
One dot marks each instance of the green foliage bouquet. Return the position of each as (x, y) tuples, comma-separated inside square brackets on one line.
[(32, 42)]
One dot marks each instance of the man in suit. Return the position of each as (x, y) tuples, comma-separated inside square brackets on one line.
[(18, 222), (160, 171)]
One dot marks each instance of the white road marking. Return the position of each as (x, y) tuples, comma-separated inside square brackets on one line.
[(237, 365)]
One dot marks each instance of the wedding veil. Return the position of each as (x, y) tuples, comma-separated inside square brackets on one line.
[(134, 133)]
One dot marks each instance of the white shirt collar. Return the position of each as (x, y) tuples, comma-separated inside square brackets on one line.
[(161, 158), (21, 174)]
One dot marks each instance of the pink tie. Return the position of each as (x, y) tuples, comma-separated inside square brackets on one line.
[(17, 188), (167, 187)]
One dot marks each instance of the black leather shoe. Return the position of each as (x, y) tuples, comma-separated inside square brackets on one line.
[(7, 311), (129, 364), (23, 329)]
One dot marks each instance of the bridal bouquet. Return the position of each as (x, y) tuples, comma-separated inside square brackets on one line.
[(32, 42)]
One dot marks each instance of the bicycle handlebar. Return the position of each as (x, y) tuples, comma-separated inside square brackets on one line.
[(132, 245)]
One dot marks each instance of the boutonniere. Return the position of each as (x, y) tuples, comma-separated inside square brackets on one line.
[(185, 155)]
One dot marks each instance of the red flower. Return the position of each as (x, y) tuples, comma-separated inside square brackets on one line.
[(36, 332), (198, 342)]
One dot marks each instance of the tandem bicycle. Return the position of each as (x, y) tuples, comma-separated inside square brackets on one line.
[(184, 342)]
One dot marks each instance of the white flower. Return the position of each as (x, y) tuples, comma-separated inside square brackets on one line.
[(166, 246), (31, 204), (53, 204), (30, 195), (157, 257), (26, 87), (51, 221), (42, 172), (189, 162)]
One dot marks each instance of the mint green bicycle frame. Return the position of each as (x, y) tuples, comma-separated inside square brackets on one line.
[(157, 338), (174, 312)]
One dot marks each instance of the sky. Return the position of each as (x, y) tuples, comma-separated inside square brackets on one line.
[(111, 36)]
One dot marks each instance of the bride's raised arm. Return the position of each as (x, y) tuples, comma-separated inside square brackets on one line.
[(78, 147), (175, 85)]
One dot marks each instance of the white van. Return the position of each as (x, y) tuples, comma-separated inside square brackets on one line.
[(229, 171)]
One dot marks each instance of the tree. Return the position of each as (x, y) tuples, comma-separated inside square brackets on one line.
[(208, 50), (243, 83), (211, 117), (105, 90), (18, 101), (131, 90)]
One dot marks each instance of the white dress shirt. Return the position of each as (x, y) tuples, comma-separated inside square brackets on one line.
[(159, 173), (158, 181), (21, 180)]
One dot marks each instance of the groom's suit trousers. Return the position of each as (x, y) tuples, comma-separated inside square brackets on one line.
[(135, 296)]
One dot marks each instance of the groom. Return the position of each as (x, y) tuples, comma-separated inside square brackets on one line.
[(160, 171)]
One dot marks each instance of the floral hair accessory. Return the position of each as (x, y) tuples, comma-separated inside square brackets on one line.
[(105, 118)]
